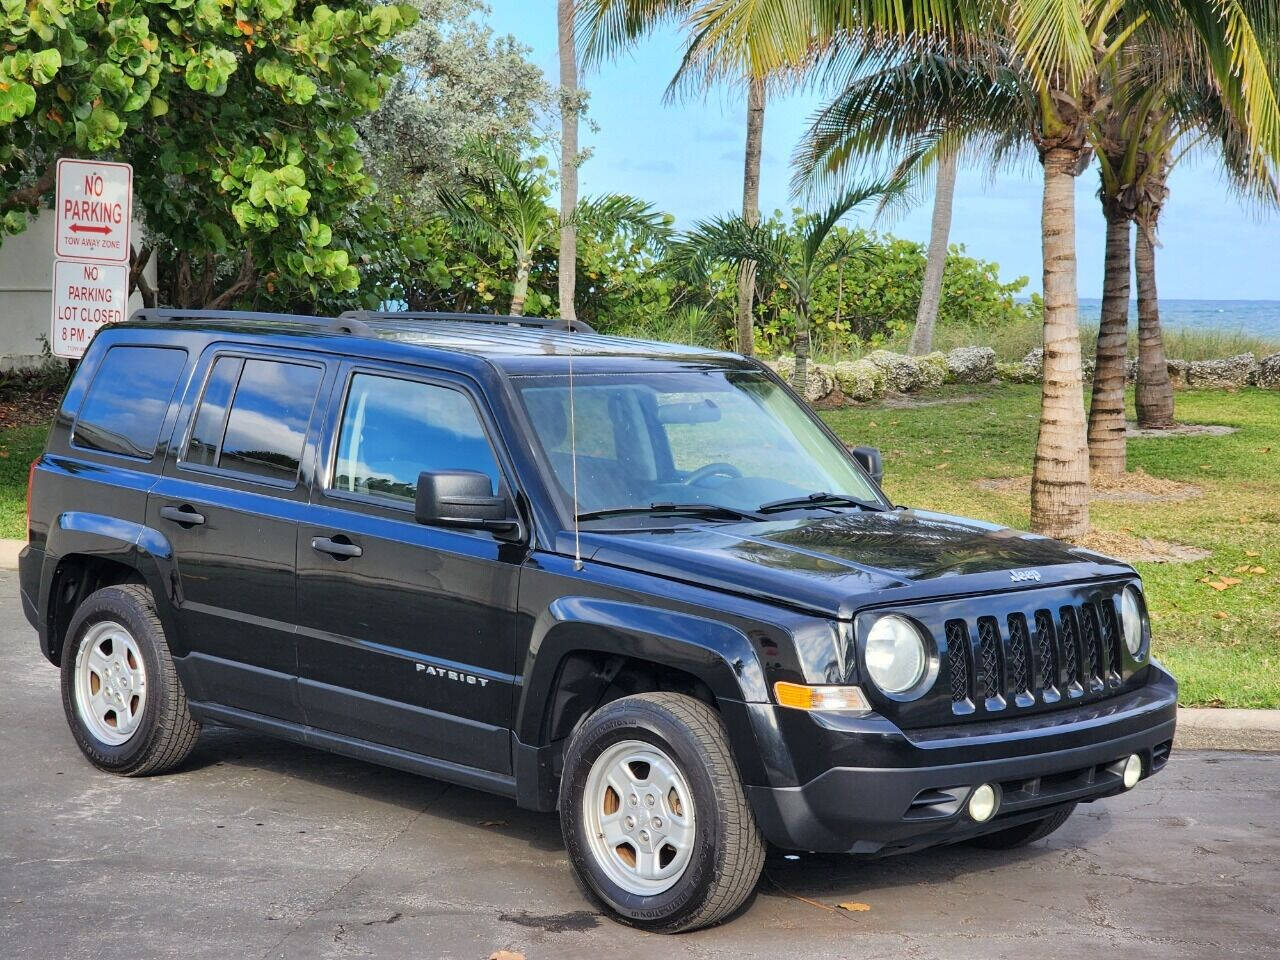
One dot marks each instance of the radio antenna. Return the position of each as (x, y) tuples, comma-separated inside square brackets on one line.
[(573, 455)]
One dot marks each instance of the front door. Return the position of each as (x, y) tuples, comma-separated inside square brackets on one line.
[(406, 632), (229, 502)]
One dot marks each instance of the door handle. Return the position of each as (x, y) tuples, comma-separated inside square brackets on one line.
[(336, 548), (184, 515)]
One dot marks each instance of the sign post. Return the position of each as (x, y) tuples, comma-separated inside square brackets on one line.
[(94, 214)]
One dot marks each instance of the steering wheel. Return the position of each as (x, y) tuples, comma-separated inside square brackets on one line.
[(706, 472)]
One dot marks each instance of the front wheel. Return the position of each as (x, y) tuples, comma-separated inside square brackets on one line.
[(654, 816)]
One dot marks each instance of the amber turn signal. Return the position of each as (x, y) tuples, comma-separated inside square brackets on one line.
[(804, 697)]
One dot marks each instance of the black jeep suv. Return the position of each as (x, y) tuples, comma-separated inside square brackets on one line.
[(638, 583)]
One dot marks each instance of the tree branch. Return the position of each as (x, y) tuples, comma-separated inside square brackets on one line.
[(242, 284), (30, 195)]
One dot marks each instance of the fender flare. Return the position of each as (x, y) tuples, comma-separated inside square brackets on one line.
[(134, 545), (719, 655)]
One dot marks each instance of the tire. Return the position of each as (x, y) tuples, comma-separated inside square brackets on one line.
[(132, 720), (682, 747), (1023, 833)]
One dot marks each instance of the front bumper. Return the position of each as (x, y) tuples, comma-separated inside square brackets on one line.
[(916, 793)]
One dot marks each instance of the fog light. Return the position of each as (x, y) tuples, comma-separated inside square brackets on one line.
[(1132, 771), (983, 803)]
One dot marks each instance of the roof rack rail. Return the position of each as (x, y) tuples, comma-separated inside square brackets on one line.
[(507, 320), (345, 324)]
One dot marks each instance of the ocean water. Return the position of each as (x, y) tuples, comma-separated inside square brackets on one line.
[(1258, 317)]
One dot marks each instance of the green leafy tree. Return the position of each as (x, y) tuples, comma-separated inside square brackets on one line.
[(502, 205), (790, 260), (238, 120)]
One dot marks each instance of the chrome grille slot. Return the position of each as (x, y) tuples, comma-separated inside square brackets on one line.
[(990, 681)]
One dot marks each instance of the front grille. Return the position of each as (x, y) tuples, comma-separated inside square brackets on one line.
[(1042, 655)]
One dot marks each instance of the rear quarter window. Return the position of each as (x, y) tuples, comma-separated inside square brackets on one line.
[(125, 406)]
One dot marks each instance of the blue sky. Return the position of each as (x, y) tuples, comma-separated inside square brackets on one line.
[(687, 159)]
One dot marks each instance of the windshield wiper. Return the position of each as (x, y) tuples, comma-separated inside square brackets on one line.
[(709, 511), (819, 499)]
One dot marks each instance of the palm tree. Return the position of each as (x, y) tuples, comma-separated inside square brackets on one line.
[(610, 26), (569, 107), (1162, 105), (501, 203), (790, 258), (1063, 48), (935, 264)]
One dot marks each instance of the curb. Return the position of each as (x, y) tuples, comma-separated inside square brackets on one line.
[(1199, 728), (1209, 728)]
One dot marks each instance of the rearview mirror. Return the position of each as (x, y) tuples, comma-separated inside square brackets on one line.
[(870, 460), (698, 411), (461, 498)]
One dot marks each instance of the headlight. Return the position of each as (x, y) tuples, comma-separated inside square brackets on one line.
[(1131, 620), (897, 659)]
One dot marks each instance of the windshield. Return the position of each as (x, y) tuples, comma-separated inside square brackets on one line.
[(724, 438)]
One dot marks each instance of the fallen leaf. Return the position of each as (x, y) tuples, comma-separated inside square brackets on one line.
[(942, 466), (854, 907), (506, 955), (1257, 569), (948, 451), (1205, 466), (1220, 615), (1243, 568), (1219, 585), (1231, 581), (1265, 450), (1252, 553), (871, 424)]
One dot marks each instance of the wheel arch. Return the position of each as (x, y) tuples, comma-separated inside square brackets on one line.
[(86, 552), (586, 652)]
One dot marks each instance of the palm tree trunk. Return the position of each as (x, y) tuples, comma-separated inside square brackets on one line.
[(750, 212), (520, 289), (935, 265), (1060, 476), (568, 263), (1106, 411), (800, 378), (1154, 393)]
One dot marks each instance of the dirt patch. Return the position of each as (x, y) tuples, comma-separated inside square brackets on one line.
[(1137, 486), (904, 401), (1180, 430), (30, 398), (1131, 549)]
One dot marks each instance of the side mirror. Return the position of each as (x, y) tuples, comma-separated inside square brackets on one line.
[(461, 498), (870, 460)]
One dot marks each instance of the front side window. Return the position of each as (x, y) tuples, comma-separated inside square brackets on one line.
[(253, 417), (715, 437), (127, 402), (392, 430)]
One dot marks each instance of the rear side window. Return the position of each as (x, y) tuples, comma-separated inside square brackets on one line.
[(253, 417), (126, 404), (393, 429)]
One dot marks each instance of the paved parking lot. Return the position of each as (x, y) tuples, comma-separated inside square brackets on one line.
[(259, 849)]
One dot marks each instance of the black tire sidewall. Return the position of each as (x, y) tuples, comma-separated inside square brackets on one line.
[(110, 604), (690, 892)]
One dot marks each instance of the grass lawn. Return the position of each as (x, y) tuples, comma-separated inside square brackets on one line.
[(1224, 646)]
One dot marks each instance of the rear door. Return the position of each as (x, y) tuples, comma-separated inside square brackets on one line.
[(406, 632), (232, 494)]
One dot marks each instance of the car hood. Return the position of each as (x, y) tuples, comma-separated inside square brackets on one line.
[(835, 563)]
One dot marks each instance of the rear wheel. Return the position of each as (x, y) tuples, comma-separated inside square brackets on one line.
[(654, 816), (1024, 833), (124, 703)]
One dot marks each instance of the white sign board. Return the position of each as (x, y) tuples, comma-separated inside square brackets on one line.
[(85, 296), (95, 209)]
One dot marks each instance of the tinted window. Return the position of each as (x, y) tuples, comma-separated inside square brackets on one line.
[(127, 402), (267, 425), (392, 430), (206, 435)]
